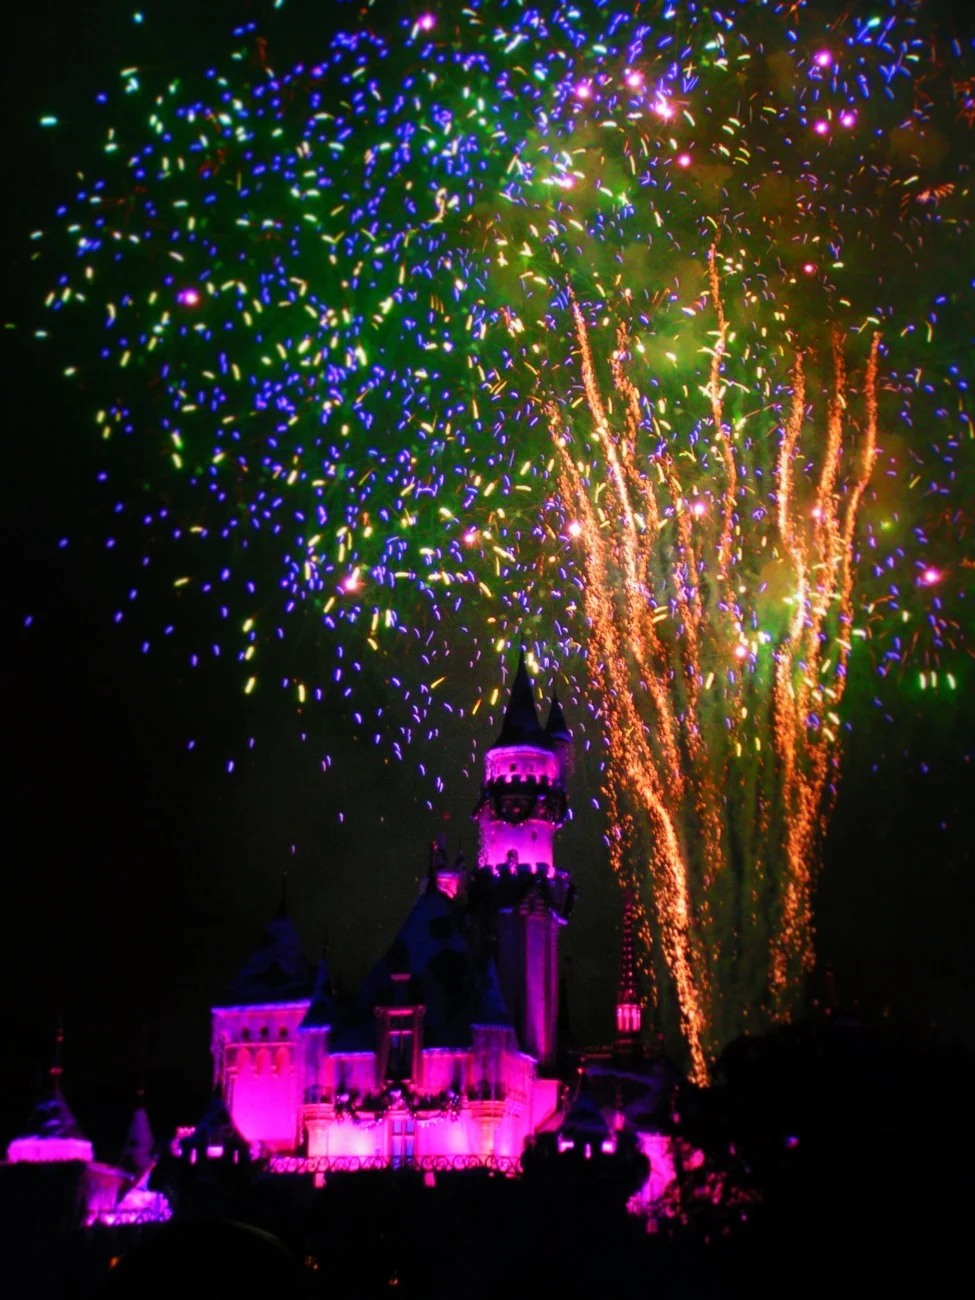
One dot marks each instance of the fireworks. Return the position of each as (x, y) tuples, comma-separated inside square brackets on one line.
[(724, 258)]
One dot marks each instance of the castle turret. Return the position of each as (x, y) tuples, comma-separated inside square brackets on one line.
[(559, 738), (523, 803), (52, 1133)]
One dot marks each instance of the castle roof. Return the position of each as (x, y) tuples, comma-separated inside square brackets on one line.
[(490, 1011), (584, 1118), (52, 1118), (321, 1013), (215, 1129), (137, 1150), (276, 971), (432, 949), (520, 725)]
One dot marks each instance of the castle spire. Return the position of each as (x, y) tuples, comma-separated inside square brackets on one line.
[(321, 1009), (559, 738), (521, 725), (629, 1012), (556, 727)]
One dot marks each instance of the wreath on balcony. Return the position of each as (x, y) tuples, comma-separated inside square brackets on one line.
[(423, 1108)]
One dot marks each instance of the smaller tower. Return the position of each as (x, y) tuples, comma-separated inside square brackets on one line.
[(629, 1011), (52, 1133), (139, 1146)]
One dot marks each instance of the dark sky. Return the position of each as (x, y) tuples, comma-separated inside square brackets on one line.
[(137, 874)]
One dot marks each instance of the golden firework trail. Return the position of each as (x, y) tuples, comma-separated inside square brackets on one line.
[(722, 737)]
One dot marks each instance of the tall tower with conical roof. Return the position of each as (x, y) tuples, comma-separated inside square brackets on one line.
[(523, 803)]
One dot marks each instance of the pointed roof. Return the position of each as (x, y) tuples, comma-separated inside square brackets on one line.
[(444, 978), (584, 1118), (520, 725), (52, 1118), (139, 1145), (555, 724), (52, 1132), (215, 1129), (490, 1011), (276, 971)]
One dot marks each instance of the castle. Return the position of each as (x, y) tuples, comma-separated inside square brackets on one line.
[(450, 1048), (449, 1055)]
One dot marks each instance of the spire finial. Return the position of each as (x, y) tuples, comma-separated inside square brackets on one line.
[(57, 1068)]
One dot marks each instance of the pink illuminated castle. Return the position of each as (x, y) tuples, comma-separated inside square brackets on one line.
[(449, 1055), (450, 1047)]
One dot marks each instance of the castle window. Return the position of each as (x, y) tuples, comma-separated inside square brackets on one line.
[(399, 1064), (283, 1031), (245, 1035), (264, 1031), (402, 1140)]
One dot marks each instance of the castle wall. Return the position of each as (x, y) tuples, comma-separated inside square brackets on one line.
[(258, 1063), (530, 840)]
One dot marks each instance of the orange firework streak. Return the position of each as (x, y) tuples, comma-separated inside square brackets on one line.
[(823, 562), (654, 621)]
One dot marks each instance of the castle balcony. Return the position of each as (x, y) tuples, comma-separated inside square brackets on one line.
[(489, 1112), (517, 798)]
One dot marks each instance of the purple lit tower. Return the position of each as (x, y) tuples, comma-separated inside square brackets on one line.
[(523, 803)]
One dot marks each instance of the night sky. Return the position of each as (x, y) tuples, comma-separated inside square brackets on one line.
[(137, 874)]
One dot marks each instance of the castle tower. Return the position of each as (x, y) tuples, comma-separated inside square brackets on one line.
[(254, 1037), (53, 1133), (629, 1012), (523, 803)]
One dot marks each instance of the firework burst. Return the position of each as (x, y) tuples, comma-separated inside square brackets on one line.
[(346, 303)]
